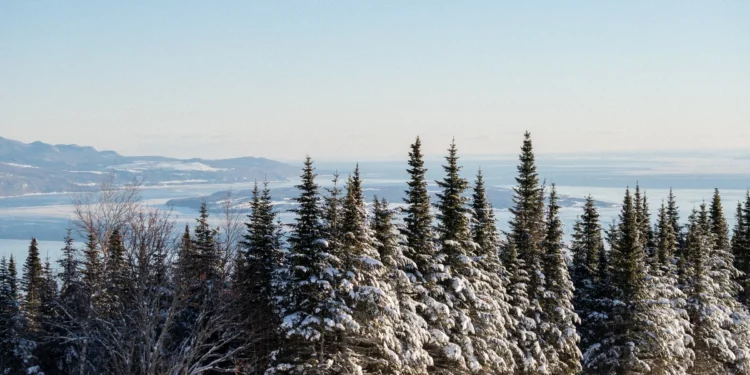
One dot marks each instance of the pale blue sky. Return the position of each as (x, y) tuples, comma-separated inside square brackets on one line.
[(359, 79)]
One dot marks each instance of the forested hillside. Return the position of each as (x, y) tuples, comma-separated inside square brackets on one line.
[(358, 287)]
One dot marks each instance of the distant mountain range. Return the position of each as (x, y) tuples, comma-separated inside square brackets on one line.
[(38, 167)]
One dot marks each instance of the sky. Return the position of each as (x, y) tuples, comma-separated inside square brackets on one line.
[(359, 80)]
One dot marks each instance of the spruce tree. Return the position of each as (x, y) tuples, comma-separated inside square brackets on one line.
[(70, 274), (375, 347), (483, 224), (204, 247), (721, 326), (73, 303), (314, 314), (741, 248), (261, 257), (585, 248), (411, 328), (476, 325), (332, 216), (526, 345), (527, 233), (16, 349), (673, 212), (116, 277), (490, 283), (427, 268), (32, 284), (49, 353), (527, 220), (667, 348), (418, 218), (92, 267), (453, 237), (666, 240), (560, 319), (618, 350)]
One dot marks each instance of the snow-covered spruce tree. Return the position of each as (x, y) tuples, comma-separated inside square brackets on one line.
[(50, 354), (376, 347), (72, 308), (332, 217), (489, 283), (725, 274), (208, 260), (600, 306), (559, 336), (722, 247), (644, 220), (667, 346), (32, 285), (411, 329), (116, 278), (16, 351), (523, 329), (619, 349), (483, 223), (585, 248), (476, 321), (30, 326), (527, 233), (720, 343), (92, 268), (673, 212), (741, 248), (260, 257), (420, 248), (453, 287), (314, 315)]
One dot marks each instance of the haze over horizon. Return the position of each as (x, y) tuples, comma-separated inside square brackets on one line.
[(360, 80)]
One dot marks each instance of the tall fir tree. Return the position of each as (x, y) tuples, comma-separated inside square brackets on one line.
[(483, 224), (618, 349), (209, 261), (741, 248), (420, 245), (92, 268), (525, 342), (585, 248), (668, 343), (73, 303), (314, 315), (411, 328), (70, 273), (116, 277), (527, 233), (427, 269), (720, 324), (261, 256), (673, 212), (490, 272), (476, 324), (559, 333), (32, 284), (375, 348), (16, 349), (332, 218), (527, 220)]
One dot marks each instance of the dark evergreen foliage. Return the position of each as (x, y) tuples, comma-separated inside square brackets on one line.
[(352, 291)]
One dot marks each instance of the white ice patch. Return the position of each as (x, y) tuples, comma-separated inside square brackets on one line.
[(140, 166), (19, 165)]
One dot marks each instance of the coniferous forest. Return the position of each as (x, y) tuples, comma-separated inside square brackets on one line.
[(356, 287)]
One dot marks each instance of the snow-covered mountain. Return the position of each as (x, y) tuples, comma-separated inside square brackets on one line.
[(39, 167)]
